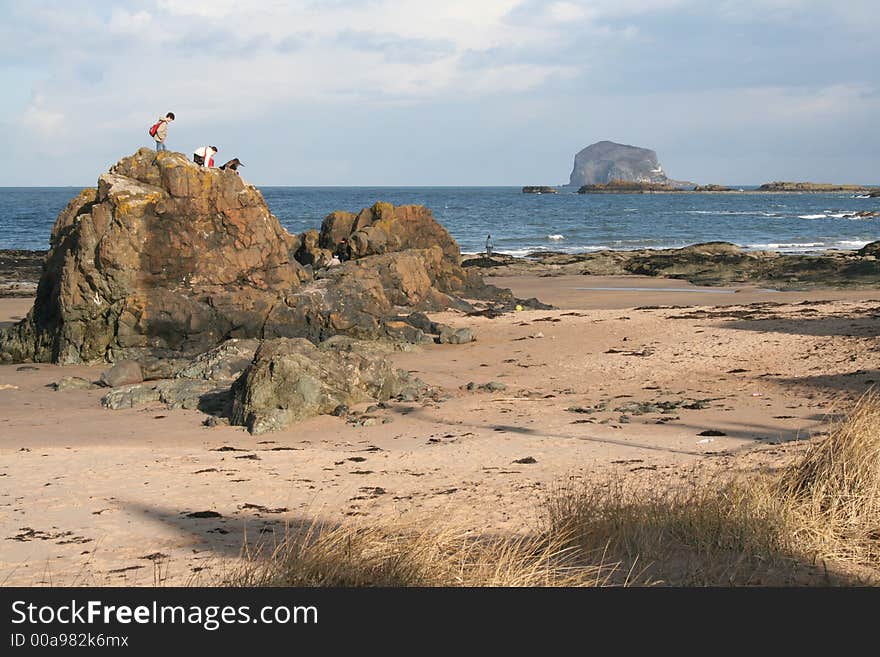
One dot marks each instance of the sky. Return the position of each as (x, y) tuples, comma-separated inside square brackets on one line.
[(460, 92)]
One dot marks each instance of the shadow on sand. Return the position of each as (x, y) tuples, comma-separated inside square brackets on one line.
[(252, 537)]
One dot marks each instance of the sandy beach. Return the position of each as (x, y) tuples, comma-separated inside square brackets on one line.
[(660, 381)]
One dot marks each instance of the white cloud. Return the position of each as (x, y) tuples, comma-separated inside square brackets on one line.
[(566, 11), (829, 103), (124, 22), (195, 53), (47, 123), (201, 8), (226, 63)]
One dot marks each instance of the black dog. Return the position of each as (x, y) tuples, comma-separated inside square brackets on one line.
[(233, 164)]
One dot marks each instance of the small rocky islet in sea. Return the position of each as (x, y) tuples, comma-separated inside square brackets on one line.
[(607, 167), (607, 162)]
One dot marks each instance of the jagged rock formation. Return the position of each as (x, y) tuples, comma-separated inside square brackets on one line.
[(384, 228), (167, 259), (377, 230), (606, 161), (163, 255)]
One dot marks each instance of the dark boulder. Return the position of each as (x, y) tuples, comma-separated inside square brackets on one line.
[(292, 379), (450, 335), (125, 372), (870, 249)]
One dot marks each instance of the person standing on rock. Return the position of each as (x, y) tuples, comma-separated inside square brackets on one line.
[(204, 155), (489, 246), (159, 131)]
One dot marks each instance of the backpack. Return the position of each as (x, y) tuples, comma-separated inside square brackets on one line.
[(154, 128)]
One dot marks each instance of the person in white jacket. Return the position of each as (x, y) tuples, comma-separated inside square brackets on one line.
[(204, 155)]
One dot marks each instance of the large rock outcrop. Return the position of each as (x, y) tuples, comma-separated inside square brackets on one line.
[(163, 255), (384, 228), (168, 259), (607, 161)]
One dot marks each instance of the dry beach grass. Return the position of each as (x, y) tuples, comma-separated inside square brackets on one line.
[(814, 522), (359, 555)]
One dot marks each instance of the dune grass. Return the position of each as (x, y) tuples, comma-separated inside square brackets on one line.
[(357, 555), (815, 522), (834, 490)]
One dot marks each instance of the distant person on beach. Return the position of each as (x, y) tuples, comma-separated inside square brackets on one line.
[(204, 155), (233, 165), (488, 246), (159, 130)]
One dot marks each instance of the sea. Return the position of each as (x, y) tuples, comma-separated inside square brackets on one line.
[(526, 223)]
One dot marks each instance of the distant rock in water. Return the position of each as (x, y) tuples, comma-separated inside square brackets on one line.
[(627, 187), (814, 187), (605, 162), (167, 259), (539, 189), (712, 188)]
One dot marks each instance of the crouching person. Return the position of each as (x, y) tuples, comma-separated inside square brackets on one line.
[(204, 155)]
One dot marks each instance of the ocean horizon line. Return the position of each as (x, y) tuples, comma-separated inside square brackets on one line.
[(259, 185)]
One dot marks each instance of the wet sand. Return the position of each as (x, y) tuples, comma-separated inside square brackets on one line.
[(93, 496)]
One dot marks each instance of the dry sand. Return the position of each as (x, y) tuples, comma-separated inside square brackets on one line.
[(92, 496)]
